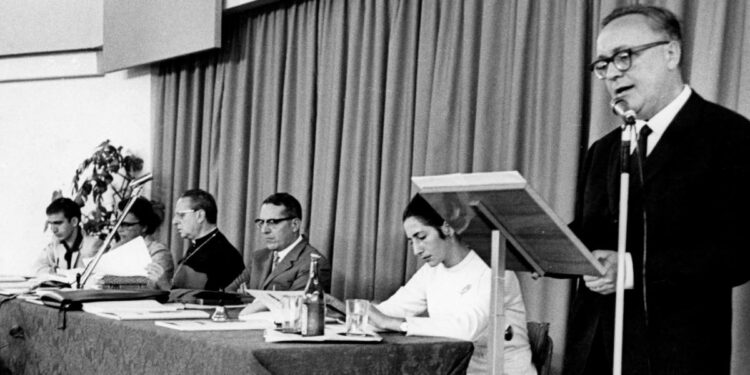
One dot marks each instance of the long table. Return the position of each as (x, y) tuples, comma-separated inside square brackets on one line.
[(31, 343)]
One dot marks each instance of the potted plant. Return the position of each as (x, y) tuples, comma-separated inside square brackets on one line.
[(100, 182)]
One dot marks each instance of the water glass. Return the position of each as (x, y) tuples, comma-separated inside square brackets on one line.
[(291, 308), (356, 316)]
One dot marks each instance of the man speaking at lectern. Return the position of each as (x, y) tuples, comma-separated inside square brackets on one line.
[(689, 210)]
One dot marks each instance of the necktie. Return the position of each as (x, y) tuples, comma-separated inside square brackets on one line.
[(643, 143), (275, 260), (70, 250), (638, 157)]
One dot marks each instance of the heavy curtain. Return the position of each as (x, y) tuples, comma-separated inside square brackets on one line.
[(340, 102)]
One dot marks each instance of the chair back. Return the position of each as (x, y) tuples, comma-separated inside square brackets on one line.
[(541, 346)]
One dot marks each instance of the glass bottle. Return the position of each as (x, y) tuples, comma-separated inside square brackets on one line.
[(314, 306)]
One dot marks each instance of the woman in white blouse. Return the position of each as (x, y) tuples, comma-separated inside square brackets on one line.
[(450, 295)]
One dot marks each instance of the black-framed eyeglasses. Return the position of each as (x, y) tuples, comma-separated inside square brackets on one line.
[(181, 214), (271, 222), (126, 225), (621, 59)]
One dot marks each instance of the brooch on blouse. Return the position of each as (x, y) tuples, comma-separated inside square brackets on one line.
[(465, 289)]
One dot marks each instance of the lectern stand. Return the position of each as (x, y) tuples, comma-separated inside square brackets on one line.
[(502, 208)]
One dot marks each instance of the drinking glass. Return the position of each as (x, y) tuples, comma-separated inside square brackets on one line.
[(356, 316)]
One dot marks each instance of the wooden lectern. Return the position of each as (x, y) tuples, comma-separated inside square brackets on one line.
[(501, 207)]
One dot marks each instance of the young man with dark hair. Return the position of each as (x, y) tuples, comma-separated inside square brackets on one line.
[(67, 250)]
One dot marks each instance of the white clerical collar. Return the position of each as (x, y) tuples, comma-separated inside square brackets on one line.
[(661, 120), (289, 248)]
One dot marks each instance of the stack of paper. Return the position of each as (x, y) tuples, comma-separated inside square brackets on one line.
[(10, 286)]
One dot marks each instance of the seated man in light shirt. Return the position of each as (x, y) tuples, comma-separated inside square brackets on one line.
[(70, 245), (284, 264)]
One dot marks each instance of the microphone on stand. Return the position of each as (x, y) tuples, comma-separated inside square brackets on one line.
[(141, 180), (137, 187), (620, 107)]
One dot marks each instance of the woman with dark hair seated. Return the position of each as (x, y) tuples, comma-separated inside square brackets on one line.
[(450, 295), (143, 221)]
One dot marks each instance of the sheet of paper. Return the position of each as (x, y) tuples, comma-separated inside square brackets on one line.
[(10, 290), (263, 315), (16, 287), (27, 286), (11, 278), (209, 325), (155, 315), (31, 298), (333, 332), (129, 259), (63, 276), (272, 298), (144, 305)]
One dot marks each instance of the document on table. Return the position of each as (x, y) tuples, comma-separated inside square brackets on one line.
[(333, 332), (11, 278), (141, 310), (8, 288), (130, 306), (267, 316), (210, 325), (21, 285), (272, 298), (155, 315)]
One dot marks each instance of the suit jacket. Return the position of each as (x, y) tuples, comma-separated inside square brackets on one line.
[(290, 274), (695, 194)]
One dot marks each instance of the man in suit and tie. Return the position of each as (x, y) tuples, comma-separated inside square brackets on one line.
[(687, 215), (284, 264)]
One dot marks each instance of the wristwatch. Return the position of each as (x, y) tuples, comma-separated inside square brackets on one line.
[(404, 327)]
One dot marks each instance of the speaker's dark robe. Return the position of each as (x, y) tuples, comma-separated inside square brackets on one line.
[(696, 195)]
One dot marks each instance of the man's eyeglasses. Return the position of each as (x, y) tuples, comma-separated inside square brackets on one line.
[(181, 214), (621, 59), (271, 222)]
